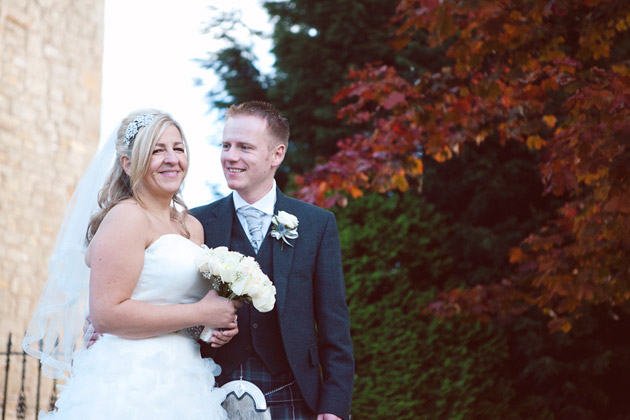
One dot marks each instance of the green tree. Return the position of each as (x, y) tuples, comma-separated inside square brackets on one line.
[(399, 248), (522, 71), (234, 64), (239, 76), (315, 43), (492, 197), (411, 365), (577, 375)]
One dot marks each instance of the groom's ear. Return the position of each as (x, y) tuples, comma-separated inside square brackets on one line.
[(277, 154), (125, 162)]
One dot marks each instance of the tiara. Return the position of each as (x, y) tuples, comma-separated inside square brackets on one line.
[(143, 120)]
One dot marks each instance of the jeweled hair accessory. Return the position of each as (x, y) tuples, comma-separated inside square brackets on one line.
[(143, 120)]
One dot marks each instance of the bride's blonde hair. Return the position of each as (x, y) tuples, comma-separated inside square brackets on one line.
[(138, 146)]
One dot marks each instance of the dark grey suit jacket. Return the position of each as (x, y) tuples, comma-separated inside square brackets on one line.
[(310, 299)]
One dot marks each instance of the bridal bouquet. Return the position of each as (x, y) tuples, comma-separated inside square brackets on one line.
[(235, 276)]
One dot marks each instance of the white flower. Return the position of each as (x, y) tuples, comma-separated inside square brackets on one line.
[(264, 301), (259, 282), (284, 227), (237, 277), (288, 220), (210, 262), (228, 270), (203, 263), (248, 266), (245, 281), (220, 252), (202, 260)]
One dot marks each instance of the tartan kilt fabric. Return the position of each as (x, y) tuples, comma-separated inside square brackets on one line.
[(285, 403)]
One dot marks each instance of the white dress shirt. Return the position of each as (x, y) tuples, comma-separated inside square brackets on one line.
[(265, 205)]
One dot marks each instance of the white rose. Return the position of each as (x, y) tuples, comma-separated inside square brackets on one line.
[(249, 271), (220, 252), (256, 284), (202, 258), (214, 265), (265, 301), (249, 266), (242, 285), (288, 220), (202, 263), (227, 274), (229, 267), (210, 260)]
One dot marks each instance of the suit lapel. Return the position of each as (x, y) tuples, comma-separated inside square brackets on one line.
[(218, 227), (221, 231), (282, 258)]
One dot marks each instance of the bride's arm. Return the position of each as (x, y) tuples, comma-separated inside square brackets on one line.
[(116, 261), (220, 336)]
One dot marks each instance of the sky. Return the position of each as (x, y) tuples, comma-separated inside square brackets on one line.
[(149, 52)]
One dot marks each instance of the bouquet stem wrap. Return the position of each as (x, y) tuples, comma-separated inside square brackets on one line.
[(206, 334)]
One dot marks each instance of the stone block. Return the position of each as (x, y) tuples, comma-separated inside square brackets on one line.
[(44, 85)]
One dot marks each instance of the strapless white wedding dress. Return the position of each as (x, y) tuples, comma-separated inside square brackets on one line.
[(158, 378)]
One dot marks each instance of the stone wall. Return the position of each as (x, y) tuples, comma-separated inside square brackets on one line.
[(50, 92)]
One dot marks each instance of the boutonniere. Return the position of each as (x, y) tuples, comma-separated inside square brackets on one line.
[(284, 226)]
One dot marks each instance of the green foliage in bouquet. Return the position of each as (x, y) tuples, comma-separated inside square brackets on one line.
[(224, 289)]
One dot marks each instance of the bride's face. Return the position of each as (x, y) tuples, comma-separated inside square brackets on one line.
[(168, 165)]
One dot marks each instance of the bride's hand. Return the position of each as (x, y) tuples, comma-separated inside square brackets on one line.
[(222, 337), (218, 312)]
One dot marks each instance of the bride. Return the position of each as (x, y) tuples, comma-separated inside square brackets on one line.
[(144, 288)]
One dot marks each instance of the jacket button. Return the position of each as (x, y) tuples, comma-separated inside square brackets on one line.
[(248, 348), (255, 325)]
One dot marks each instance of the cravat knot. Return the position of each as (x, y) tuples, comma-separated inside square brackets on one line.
[(254, 218)]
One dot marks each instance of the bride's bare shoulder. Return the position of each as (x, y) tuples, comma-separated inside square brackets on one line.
[(124, 229), (195, 229), (127, 212), (127, 220)]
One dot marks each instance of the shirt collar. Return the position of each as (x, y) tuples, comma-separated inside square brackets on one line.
[(265, 204)]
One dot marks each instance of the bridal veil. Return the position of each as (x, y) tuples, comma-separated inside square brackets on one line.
[(58, 322)]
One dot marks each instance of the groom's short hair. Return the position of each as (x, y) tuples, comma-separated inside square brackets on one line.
[(277, 125)]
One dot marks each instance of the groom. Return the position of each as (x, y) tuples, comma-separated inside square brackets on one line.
[(299, 354)]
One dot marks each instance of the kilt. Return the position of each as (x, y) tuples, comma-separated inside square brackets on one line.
[(282, 393)]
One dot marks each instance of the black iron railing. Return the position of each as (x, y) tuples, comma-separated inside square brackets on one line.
[(12, 355)]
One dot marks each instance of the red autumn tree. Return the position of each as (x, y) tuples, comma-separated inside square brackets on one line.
[(551, 74)]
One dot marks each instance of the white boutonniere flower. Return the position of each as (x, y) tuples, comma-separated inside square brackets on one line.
[(284, 227)]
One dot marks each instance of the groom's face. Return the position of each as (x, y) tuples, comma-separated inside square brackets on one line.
[(249, 157)]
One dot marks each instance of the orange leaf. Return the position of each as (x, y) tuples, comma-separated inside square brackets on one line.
[(399, 181), (416, 166), (323, 186), (535, 142), (566, 327), (550, 120), (443, 155), (516, 255), (559, 324), (355, 192), (621, 69)]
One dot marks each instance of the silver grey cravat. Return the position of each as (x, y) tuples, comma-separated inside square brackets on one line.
[(254, 219)]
